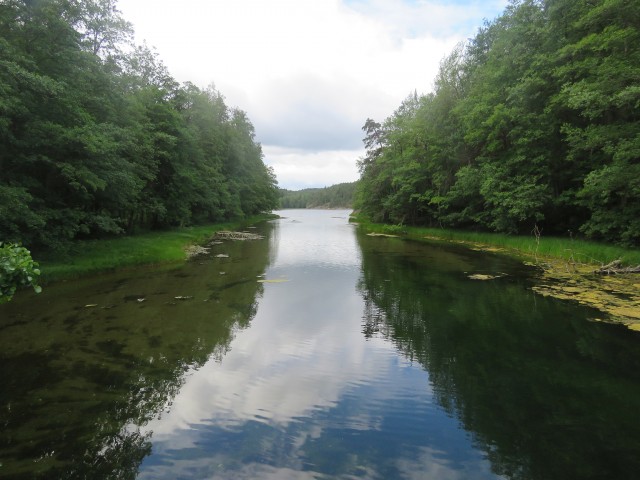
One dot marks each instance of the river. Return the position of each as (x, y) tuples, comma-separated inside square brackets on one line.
[(316, 352)]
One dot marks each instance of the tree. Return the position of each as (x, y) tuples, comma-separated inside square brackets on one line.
[(534, 122), (102, 27), (95, 141), (599, 69), (340, 195), (374, 143)]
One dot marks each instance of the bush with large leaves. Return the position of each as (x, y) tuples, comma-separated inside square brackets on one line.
[(17, 269)]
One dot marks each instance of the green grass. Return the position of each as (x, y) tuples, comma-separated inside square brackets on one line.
[(567, 249), (96, 256)]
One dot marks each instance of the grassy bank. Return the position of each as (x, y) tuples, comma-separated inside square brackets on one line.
[(570, 250), (96, 256)]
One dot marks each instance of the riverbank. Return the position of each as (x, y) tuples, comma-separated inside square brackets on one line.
[(89, 257), (566, 266)]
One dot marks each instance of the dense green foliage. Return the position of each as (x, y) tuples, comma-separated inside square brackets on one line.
[(335, 196), (534, 122), (97, 138), (17, 269)]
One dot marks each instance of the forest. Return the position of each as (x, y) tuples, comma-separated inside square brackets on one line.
[(533, 125), (335, 196), (98, 139)]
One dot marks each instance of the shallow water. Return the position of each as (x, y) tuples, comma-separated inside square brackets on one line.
[(318, 352)]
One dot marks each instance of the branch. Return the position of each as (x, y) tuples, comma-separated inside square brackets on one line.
[(615, 268)]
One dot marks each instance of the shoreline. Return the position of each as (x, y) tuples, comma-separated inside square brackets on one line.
[(93, 257), (616, 296)]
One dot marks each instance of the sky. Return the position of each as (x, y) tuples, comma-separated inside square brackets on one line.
[(308, 72)]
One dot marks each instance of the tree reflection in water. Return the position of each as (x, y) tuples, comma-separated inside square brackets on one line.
[(80, 380), (415, 370), (544, 392)]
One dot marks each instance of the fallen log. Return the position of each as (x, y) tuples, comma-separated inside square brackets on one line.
[(615, 268), (228, 235), (195, 250)]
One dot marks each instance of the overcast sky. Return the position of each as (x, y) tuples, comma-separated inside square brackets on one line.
[(308, 72)]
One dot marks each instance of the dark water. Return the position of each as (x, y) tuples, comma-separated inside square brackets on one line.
[(367, 357)]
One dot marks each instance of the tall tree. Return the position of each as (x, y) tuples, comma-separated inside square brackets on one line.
[(102, 27), (599, 71), (95, 141), (534, 122)]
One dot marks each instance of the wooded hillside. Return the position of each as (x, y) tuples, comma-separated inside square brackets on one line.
[(535, 122), (335, 196), (97, 138)]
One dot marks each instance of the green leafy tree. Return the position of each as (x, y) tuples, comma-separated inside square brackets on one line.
[(97, 141), (374, 182), (598, 70), (340, 195), (534, 122), (103, 28)]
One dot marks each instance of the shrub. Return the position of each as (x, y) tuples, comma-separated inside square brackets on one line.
[(17, 269)]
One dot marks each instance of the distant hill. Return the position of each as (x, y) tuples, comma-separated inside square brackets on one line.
[(335, 196)]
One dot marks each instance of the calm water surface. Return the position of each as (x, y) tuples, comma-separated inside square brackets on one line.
[(318, 352)]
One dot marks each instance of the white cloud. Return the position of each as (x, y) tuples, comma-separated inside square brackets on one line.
[(298, 168), (308, 72), (309, 112)]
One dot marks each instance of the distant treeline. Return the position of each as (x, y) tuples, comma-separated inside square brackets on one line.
[(336, 196), (534, 123), (97, 138)]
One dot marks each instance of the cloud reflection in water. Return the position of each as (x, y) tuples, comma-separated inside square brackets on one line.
[(302, 392)]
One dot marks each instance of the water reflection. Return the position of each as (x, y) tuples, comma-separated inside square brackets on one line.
[(302, 393), (87, 363), (368, 358), (545, 393)]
